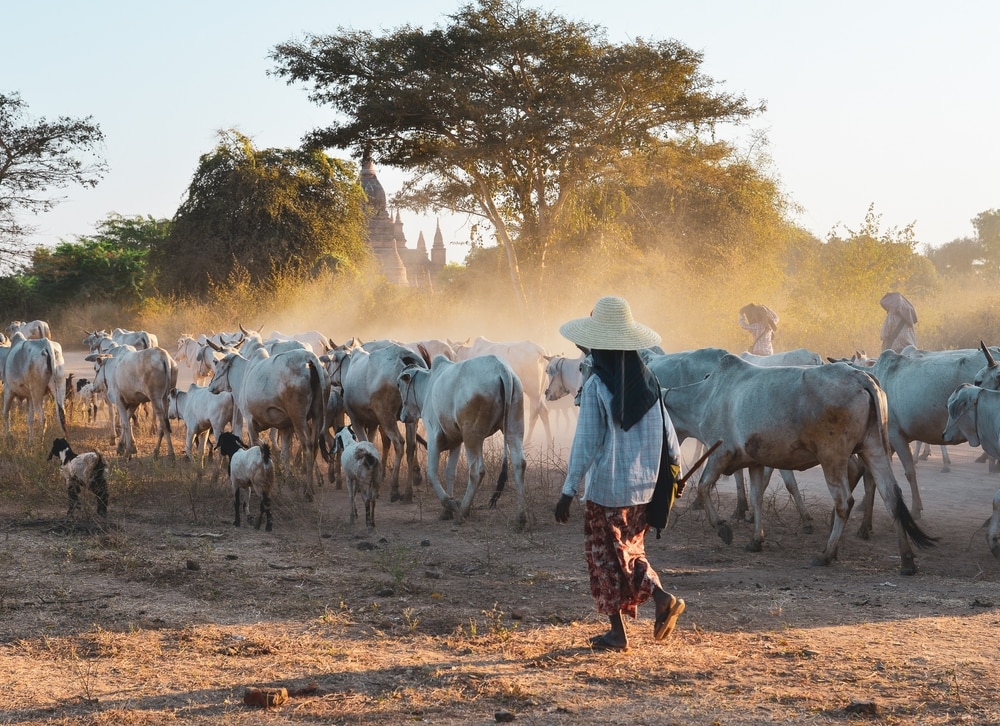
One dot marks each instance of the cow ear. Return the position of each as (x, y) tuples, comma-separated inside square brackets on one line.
[(405, 377)]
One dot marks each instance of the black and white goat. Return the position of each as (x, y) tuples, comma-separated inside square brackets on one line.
[(362, 467), (250, 468), (82, 470)]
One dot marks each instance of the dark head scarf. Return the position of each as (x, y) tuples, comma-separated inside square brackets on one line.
[(633, 386)]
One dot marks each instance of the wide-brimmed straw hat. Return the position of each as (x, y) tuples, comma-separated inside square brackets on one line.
[(610, 327)]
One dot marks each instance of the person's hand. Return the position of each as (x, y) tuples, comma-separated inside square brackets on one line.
[(562, 508)]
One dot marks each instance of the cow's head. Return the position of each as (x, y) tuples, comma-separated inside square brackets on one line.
[(409, 385)]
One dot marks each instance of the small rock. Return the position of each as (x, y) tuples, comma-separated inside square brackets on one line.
[(265, 697), (193, 565), (504, 716), (516, 614), (425, 543), (365, 545), (232, 557), (432, 574), (865, 708), (385, 592)]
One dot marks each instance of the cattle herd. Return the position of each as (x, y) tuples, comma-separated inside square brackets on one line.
[(312, 400)]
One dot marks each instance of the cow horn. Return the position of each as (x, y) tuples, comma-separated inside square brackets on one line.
[(243, 330), (212, 345), (990, 361)]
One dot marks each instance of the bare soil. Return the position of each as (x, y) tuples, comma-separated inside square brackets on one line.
[(167, 613)]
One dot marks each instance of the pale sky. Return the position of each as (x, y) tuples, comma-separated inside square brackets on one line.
[(891, 103)]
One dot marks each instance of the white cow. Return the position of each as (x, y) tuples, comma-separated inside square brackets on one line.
[(201, 411), (462, 404), (372, 401), (917, 384), (528, 360), (679, 369), (974, 415), (792, 417), (30, 369), (797, 357), (138, 339), (312, 339), (131, 378), (287, 392), (564, 376), (32, 330)]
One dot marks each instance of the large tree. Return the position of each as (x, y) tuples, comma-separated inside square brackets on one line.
[(505, 112), (38, 156), (262, 211)]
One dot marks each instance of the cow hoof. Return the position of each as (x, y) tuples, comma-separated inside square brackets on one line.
[(755, 546), (447, 514), (267, 528), (865, 533), (945, 469), (725, 532), (395, 496), (821, 561), (807, 528), (909, 566)]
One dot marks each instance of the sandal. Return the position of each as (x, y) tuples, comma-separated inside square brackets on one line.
[(604, 642), (666, 620)]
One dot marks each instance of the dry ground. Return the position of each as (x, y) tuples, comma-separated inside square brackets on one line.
[(168, 613)]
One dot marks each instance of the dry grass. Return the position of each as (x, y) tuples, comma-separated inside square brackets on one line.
[(166, 612)]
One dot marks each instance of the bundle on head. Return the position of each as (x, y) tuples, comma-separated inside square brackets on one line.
[(250, 468), (761, 315), (81, 470)]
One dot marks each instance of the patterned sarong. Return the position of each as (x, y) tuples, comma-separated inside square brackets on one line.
[(621, 577)]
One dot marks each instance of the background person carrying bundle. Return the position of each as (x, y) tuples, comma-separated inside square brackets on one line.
[(762, 323), (900, 317)]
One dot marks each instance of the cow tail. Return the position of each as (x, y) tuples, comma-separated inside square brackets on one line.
[(60, 408), (900, 512), (265, 453), (317, 409), (507, 391), (166, 377)]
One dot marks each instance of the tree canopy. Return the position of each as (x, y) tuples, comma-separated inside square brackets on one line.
[(37, 157), (266, 211), (506, 112)]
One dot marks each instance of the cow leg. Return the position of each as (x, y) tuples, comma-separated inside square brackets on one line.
[(945, 460), (706, 483), (236, 506), (902, 449), (519, 465), (843, 502), (793, 490), (434, 475), (397, 459), (856, 470), (477, 472), (742, 506), (757, 485), (412, 464)]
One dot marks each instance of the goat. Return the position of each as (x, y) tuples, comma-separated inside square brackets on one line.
[(362, 466), (81, 470), (250, 468)]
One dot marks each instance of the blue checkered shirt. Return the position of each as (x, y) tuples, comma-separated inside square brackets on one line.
[(622, 465)]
